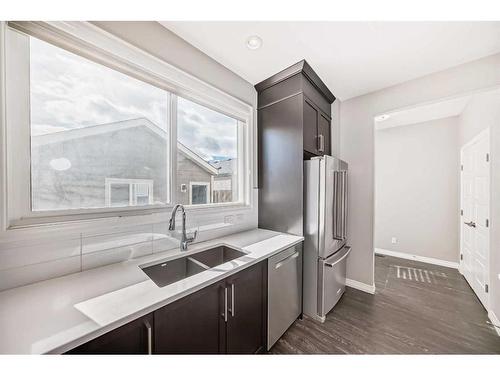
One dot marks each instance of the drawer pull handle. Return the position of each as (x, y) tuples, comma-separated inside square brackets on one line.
[(321, 141), (290, 257), (225, 304), (231, 310), (150, 337), (339, 260)]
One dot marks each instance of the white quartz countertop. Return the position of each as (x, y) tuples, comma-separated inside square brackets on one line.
[(56, 315)]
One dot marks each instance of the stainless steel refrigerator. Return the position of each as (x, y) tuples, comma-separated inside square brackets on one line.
[(325, 232)]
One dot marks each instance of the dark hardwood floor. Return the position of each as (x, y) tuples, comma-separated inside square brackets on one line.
[(417, 308)]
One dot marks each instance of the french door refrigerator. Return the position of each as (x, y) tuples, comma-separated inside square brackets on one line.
[(325, 232)]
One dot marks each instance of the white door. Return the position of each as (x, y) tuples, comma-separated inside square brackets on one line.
[(475, 203)]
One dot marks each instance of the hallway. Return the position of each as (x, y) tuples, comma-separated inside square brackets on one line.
[(417, 308)]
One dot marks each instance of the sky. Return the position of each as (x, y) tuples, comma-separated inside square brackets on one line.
[(69, 91)]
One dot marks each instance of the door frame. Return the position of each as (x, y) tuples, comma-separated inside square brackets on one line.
[(483, 133)]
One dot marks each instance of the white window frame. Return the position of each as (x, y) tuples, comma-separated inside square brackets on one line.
[(91, 42), (131, 182), (204, 183)]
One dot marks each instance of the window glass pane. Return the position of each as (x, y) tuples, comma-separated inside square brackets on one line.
[(207, 152), (89, 124), (199, 194), (119, 195)]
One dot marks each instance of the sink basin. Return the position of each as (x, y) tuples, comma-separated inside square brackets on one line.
[(217, 255), (169, 272)]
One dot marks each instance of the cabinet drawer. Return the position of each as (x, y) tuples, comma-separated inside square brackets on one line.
[(331, 280)]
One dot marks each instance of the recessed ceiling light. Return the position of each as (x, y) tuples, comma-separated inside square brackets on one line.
[(254, 42), (382, 117)]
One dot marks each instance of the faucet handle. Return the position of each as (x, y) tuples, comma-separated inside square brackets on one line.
[(192, 237)]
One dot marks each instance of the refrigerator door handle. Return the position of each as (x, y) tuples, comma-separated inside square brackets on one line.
[(331, 264), (337, 234), (344, 204)]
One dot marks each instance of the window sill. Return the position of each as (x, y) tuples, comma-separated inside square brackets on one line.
[(70, 225)]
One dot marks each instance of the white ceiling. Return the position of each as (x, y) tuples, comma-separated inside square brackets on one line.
[(423, 113), (352, 58)]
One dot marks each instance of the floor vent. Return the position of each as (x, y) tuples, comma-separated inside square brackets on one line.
[(418, 274)]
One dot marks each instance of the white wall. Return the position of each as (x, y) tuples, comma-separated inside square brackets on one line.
[(164, 44), (417, 189), (483, 111), (335, 133), (357, 143)]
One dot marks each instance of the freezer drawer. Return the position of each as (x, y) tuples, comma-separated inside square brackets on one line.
[(284, 291), (331, 280)]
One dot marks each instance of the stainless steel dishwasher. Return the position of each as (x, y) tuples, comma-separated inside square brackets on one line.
[(284, 295)]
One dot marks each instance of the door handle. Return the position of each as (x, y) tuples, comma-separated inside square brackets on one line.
[(290, 257), (344, 205), (224, 314), (470, 224), (328, 264), (321, 141), (231, 309), (150, 337)]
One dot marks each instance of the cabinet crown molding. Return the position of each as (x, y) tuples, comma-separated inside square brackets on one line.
[(302, 67)]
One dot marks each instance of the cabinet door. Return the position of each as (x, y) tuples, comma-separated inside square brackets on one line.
[(310, 128), (191, 325), (324, 135), (245, 324), (132, 338)]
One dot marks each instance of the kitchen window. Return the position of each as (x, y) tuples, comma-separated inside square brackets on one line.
[(89, 122), (207, 151), (92, 137)]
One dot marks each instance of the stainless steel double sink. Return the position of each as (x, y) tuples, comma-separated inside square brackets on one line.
[(168, 272)]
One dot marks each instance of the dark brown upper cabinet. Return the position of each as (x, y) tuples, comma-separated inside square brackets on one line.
[(294, 123), (324, 135), (311, 140), (300, 79)]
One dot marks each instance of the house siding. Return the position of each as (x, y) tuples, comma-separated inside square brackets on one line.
[(133, 153)]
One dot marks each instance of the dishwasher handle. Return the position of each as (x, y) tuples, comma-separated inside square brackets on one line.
[(332, 263), (288, 258)]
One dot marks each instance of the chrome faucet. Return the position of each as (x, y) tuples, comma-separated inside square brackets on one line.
[(185, 239)]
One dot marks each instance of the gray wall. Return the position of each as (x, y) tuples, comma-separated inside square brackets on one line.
[(483, 111), (357, 144), (188, 171), (164, 44), (133, 153), (417, 189)]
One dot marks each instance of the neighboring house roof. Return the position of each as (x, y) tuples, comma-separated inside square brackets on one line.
[(225, 167), (77, 133), (190, 154)]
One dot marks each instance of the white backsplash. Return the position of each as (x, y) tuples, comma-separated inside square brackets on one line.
[(24, 261)]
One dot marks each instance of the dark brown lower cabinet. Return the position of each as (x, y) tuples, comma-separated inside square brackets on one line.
[(244, 328), (191, 325), (133, 338), (226, 317)]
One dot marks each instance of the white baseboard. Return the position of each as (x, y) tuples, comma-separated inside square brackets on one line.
[(360, 286), (495, 321), (397, 254)]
